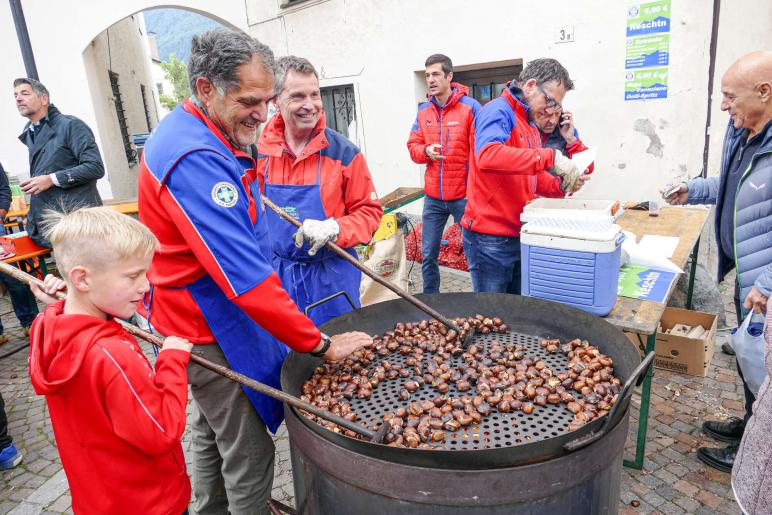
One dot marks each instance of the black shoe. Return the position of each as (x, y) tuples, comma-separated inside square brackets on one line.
[(727, 349), (721, 459), (730, 431)]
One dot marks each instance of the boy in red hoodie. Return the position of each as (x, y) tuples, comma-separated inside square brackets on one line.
[(117, 422)]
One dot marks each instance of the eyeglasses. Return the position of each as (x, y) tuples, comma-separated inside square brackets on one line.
[(552, 104)]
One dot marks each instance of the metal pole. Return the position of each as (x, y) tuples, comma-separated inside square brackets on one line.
[(219, 369), (24, 43), (372, 275)]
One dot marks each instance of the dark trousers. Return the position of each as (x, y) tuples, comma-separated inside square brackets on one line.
[(5, 438), (24, 305), (494, 262), (749, 397), (435, 215)]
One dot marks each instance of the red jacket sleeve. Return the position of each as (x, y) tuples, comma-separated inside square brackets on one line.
[(577, 147), (492, 130), (363, 211), (145, 411), (548, 185), (416, 144)]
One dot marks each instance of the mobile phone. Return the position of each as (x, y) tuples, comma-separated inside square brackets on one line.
[(672, 191)]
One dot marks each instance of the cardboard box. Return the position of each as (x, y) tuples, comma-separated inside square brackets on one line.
[(678, 353)]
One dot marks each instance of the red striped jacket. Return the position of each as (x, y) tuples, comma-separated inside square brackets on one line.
[(449, 126)]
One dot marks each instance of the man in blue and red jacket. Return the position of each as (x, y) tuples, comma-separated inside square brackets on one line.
[(317, 175), (211, 279), (440, 138), (508, 168)]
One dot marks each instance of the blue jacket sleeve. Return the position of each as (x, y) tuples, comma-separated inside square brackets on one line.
[(216, 201), (702, 191), (764, 283)]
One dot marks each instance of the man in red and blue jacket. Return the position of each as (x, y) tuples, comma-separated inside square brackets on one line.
[(211, 279), (508, 168), (318, 176), (440, 138)]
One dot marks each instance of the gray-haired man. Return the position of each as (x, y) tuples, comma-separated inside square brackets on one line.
[(63, 155), (507, 168), (212, 279)]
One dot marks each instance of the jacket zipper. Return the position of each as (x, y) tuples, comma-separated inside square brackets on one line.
[(441, 148)]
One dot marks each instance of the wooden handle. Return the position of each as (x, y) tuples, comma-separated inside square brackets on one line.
[(214, 367), (369, 273)]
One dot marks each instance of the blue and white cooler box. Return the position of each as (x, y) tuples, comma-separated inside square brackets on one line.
[(575, 262)]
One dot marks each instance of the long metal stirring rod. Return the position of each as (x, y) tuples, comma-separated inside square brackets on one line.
[(214, 367)]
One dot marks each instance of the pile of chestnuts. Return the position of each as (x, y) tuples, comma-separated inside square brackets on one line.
[(488, 377)]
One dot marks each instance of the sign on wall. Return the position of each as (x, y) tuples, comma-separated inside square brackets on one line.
[(648, 18), (646, 84), (647, 53)]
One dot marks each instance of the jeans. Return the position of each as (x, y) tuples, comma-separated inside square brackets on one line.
[(435, 215), (494, 262), (5, 438), (22, 300)]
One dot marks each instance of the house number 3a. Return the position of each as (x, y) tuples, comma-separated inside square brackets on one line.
[(564, 34)]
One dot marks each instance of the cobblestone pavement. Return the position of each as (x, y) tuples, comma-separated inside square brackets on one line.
[(672, 481)]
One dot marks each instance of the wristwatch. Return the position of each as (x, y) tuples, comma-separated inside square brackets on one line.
[(325, 347)]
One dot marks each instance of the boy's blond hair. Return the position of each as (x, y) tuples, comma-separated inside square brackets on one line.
[(95, 237)]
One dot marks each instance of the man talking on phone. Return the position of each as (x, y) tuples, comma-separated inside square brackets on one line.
[(558, 132)]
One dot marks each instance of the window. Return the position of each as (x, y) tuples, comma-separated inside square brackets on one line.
[(160, 87), (144, 104), (131, 154), (340, 108), (486, 83)]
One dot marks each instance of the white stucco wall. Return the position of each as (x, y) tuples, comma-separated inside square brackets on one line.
[(122, 49), (379, 45), (60, 32)]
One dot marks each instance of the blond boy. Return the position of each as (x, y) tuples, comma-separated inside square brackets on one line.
[(117, 421)]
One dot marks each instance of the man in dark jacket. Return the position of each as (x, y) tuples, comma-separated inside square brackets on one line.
[(63, 157), (23, 302), (742, 194), (558, 132)]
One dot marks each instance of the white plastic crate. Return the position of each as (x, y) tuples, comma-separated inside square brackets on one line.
[(576, 209)]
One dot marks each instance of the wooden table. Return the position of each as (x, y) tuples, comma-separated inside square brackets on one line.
[(26, 249), (642, 317), (127, 207)]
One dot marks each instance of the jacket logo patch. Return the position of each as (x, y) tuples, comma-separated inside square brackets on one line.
[(757, 188), (454, 122), (291, 210), (225, 194)]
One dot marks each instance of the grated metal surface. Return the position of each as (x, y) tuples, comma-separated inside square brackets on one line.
[(496, 430)]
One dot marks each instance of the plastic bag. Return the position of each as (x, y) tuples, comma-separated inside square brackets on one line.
[(748, 343)]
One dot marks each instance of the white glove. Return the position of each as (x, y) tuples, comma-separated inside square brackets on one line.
[(317, 233), (566, 170)]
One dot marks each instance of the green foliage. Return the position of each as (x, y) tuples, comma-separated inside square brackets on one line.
[(174, 28), (177, 73)]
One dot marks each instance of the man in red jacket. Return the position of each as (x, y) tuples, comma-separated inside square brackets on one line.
[(317, 175), (440, 138), (508, 168)]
